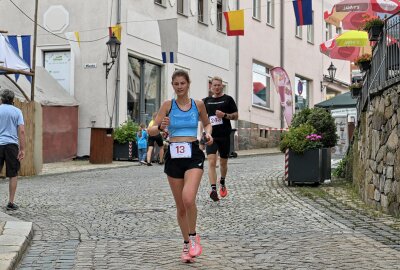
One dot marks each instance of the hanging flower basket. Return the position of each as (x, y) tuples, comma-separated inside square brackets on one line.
[(355, 90), (364, 66), (374, 32)]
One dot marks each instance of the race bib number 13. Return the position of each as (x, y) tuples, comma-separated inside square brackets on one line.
[(214, 120), (181, 150)]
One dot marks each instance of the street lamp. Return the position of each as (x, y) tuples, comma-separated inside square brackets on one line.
[(332, 72), (113, 45)]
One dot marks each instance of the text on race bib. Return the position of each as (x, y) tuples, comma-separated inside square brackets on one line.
[(180, 150), (214, 120)]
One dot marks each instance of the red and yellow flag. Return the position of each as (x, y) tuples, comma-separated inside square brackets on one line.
[(116, 29), (234, 22)]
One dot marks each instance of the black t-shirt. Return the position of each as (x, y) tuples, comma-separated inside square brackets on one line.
[(225, 104)]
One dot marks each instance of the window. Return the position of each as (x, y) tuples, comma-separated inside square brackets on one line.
[(58, 64), (257, 9), (310, 31), (301, 93), (299, 31), (144, 90), (338, 30), (220, 14), (182, 7), (328, 31), (202, 11), (160, 2), (270, 12), (261, 86)]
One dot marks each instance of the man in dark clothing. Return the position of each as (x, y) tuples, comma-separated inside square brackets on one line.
[(221, 109)]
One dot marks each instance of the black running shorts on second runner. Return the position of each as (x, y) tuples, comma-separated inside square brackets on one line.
[(176, 167), (222, 145), (158, 139), (9, 155)]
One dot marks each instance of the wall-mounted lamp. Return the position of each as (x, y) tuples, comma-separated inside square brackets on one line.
[(113, 45), (332, 72)]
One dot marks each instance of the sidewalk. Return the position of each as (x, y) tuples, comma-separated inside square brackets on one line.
[(15, 235)]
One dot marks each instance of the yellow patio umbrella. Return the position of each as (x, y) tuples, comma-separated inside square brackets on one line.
[(353, 38)]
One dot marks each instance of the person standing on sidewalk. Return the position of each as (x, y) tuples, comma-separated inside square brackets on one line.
[(221, 110), (184, 160), (155, 139), (12, 141), (141, 138)]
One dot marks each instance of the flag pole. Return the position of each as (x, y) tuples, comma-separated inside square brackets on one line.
[(34, 51)]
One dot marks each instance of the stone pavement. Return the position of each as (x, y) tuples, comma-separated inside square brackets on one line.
[(124, 218), (15, 234)]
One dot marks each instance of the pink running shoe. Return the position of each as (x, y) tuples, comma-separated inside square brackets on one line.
[(223, 191), (185, 257), (195, 248)]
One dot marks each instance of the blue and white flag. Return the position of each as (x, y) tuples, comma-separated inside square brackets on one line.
[(22, 45), (10, 58), (169, 40)]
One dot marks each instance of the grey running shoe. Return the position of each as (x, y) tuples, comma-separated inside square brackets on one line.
[(12, 206)]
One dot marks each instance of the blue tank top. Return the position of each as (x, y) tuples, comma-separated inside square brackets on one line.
[(183, 123)]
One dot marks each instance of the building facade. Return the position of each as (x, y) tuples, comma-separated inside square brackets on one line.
[(139, 80)]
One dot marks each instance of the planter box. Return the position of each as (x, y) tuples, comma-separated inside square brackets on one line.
[(355, 92), (374, 32), (326, 164), (125, 151), (305, 168), (364, 66)]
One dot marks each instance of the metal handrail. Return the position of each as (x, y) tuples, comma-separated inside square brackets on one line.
[(385, 65)]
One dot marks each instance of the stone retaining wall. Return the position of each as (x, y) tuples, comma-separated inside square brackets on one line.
[(376, 152)]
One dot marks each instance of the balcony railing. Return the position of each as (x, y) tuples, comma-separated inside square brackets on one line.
[(385, 64)]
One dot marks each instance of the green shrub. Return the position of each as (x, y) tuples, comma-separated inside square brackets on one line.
[(321, 120), (296, 139), (126, 132)]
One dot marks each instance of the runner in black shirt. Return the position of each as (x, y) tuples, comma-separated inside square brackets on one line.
[(221, 109)]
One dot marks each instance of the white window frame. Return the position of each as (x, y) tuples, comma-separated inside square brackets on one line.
[(270, 12), (267, 75), (185, 7), (310, 31), (205, 15), (299, 31), (257, 9), (328, 31), (221, 24)]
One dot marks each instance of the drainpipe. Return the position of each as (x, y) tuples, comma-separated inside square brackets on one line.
[(237, 67), (282, 51), (117, 80)]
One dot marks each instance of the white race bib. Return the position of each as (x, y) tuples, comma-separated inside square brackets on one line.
[(180, 150), (214, 120)]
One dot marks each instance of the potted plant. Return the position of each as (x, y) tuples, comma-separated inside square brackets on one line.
[(355, 89), (373, 25), (323, 124), (363, 61), (125, 146)]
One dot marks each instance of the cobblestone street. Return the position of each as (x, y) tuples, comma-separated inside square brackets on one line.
[(124, 218)]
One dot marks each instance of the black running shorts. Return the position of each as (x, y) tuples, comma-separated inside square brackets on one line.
[(158, 139), (222, 145), (9, 155), (176, 167)]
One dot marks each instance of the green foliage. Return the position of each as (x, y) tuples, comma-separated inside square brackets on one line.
[(296, 139), (371, 21), (340, 170), (126, 132), (321, 120), (355, 85)]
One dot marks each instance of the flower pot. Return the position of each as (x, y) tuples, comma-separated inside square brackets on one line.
[(374, 32), (326, 164), (364, 66), (356, 92), (125, 151), (306, 167)]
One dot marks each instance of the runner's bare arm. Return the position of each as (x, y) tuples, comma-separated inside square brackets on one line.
[(161, 121), (205, 121)]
